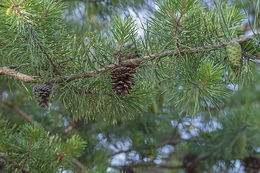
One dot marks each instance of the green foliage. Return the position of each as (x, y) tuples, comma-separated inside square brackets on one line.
[(32, 148), (123, 30), (198, 88), (176, 26), (185, 101), (252, 47), (154, 107)]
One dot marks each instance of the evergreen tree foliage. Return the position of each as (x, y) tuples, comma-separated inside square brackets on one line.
[(183, 96), (31, 149)]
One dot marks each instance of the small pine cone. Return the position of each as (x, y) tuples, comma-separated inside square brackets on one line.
[(189, 163), (252, 164), (127, 169), (123, 79), (42, 93), (234, 53)]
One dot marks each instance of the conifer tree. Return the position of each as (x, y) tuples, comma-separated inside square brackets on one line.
[(182, 97)]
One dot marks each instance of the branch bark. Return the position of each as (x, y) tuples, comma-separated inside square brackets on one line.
[(17, 75)]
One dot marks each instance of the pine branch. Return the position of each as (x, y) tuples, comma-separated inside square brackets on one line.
[(119, 152), (14, 164), (146, 58), (223, 145), (176, 31), (148, 164), (16, 8), (31, 121), (19, 66), (17, 75), (56, 68), (169, 141), (26, 117), (30, 79), (28, 154), (18, 110)]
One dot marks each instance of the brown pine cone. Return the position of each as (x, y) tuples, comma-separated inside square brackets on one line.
[(123, 79), (252, 164), (189, 163), (42, 93), (127, 169)]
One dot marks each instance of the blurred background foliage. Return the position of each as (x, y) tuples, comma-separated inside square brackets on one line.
[(96, 15)]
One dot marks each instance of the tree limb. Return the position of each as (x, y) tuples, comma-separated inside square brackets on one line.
[(119, 152), (22, 77), (144, 59), (69, 78), (17, 110), (165, 166)]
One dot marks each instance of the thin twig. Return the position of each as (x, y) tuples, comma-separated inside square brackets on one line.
[(165, 166), (18, 110), (176, 32), (16, 8), (119, 152), (56, 68), (28, 154)]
